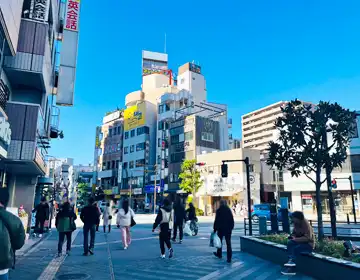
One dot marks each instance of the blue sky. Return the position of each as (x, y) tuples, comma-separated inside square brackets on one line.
[(252, 53)]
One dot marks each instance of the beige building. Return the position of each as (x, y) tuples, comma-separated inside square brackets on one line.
[(233, 188), (258, 127)]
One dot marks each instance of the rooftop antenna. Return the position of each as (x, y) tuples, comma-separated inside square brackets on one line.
[(165, 44)]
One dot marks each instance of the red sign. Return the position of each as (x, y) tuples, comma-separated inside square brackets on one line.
[(72, 15)]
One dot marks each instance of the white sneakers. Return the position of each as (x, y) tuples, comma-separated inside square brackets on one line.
[(125, 248), (162, 256)]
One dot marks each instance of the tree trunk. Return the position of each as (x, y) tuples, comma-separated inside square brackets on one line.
[(319, 207)]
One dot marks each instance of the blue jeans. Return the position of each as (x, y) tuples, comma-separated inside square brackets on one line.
[(294, 249), (4, 276)]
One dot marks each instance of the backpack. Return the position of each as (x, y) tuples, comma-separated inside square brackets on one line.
[(7, 256)]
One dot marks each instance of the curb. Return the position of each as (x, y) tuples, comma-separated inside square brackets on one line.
[(27, 250)]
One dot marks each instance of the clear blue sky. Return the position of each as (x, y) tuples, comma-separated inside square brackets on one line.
[(252, 53)]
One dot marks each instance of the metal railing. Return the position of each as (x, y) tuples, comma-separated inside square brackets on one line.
[(4, 94)]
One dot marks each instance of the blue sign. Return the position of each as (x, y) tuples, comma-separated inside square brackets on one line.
[(284, 202), (150, 189)]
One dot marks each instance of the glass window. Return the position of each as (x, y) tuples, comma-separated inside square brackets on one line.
[(140, 162), (126, 134), (206, 136), (274, 175), (160, 125), (125, 165), (281, 176), (118, 148), (131, 164), (174, 139), (140, 146), (119, 130), (189, 135), (131, 148), (132, 133), (177, 157), (114, 131), (251, 168), (159, 142), (126, 150), (110, 132)]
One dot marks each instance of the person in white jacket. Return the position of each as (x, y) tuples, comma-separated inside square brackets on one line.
[(124, 222), (107, 216)]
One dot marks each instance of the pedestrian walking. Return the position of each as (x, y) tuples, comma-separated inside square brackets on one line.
[(99, 210), (12, 236), (223, 226), (90, 216), (123, 221), (191, 216), (65, 224), (165, 218), (302, 240), (179, 218), (136, 205), (107, 217), (42, 214)]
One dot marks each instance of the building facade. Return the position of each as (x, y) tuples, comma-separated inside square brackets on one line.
[(31, 33), (234, 188)]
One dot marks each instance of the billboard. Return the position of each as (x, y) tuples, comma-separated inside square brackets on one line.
[(39, 10), (134, 116), (195, 68), (69, 51), (154, 62)]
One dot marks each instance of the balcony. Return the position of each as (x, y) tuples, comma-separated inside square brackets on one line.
[(28, 139), (31, 68)]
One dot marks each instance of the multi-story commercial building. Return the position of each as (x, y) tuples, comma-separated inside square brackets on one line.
[(108, 152), (31, 32), (233, 188)]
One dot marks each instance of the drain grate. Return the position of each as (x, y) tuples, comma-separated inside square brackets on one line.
[(74, 276)]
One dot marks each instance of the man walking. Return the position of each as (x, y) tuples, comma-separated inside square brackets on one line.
[(42, 214), (223, 226), (90, 216), (12, 236), (180, 215)]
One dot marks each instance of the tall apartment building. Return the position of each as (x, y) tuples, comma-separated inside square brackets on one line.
[(31, 32), (108, 152), (258, 127)]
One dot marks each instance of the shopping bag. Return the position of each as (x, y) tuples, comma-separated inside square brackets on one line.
[(217, 241), (212, 239), (187, 230)]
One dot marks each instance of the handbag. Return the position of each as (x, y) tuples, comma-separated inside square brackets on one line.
[(72, 224), (110, 217), (133, 223)]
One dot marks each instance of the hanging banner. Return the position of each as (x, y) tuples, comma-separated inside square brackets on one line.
[(39, 10)]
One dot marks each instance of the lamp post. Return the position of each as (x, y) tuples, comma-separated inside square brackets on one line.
[(352, 195)]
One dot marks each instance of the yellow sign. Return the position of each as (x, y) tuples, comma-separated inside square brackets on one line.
[(134, 116), (108, 192)]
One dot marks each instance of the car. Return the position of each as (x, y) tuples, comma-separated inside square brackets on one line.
[(263, 210)]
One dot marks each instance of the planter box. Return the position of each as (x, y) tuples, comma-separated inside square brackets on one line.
[(314, 265)]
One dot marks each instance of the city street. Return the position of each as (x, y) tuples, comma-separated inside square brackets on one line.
[(192, 260)]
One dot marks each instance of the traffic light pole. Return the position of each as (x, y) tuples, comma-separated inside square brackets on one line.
[(247, 163)]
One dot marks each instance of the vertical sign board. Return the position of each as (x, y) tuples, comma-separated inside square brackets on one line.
[(39, 10), (69, 51)]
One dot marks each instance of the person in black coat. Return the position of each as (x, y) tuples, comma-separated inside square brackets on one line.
[(223, 226), (90, 216), (42, 214), (179, 218)]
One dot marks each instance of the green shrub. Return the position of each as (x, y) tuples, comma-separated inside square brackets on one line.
[(327, 247), (199, 212)]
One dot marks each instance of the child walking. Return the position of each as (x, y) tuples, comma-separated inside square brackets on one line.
[(165, 218)]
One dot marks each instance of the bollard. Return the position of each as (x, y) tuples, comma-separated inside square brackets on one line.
[(262, 225), (274, 218), (348, 219)]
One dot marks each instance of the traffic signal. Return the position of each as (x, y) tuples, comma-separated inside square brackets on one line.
[(224, 170), (200, 163), (333, 184)]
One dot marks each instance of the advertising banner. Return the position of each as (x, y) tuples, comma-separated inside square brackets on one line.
[(134, 116), (39, 10)]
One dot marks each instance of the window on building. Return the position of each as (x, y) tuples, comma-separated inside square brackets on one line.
[(177, 157), (274, 175), (281, 176), (158, 159), (159, 142), (119, 130), (110, 132), (131, 148), (108, 165), (114, 131), (189, 135), (118, 147), (355, 163), (126, 134), (161, 125), (251, 168), (113, 164), (126, 150), (207, 136), (132, 133), (140, 162), (131, 164), (140, 146), (174, 139), (117, 164), (125, 165), (143, 130)]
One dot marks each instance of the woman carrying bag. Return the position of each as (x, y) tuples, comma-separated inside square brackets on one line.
[(65, 224), (107, 217), (125, 220)]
